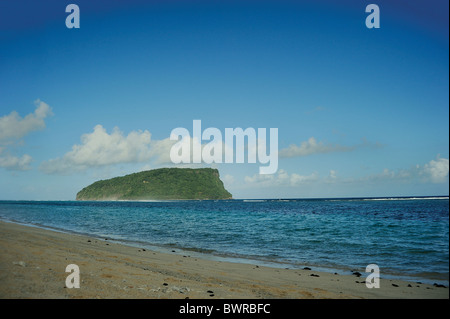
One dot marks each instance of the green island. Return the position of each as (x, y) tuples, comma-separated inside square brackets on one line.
[(159, 184)]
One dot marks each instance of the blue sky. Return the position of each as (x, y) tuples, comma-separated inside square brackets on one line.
[(359, 112)]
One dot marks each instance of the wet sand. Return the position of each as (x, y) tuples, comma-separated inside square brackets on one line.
[(33, 263)]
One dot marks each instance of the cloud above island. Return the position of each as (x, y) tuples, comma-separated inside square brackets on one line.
[(100, 148)]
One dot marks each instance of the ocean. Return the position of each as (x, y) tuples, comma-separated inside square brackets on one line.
[(408, 238)]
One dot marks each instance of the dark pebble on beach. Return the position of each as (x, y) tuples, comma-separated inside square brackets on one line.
[(439, 286), (89, 241), (211, 295), (143, 249), (165, 284), (173, 251), (409, 285), (306, 268), (314, 275), (394, 285), (357, 274), (210, 291)]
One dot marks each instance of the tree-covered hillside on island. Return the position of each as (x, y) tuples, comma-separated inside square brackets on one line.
[(157, 184)]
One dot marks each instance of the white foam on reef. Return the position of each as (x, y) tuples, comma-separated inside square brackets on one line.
[(407, 198)]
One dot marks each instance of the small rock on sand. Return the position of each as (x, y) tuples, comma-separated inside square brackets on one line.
[(20, 263)]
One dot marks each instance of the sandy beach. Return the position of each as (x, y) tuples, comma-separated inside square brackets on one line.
[(33, 263)]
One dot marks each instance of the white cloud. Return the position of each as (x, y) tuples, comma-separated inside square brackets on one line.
[(228, 179), (160, 150), (437, 170), (311, 146), (11, 162), (306, 148), (332, 174), (332, 177), (13, 128), (297, 179), (281, 178), (101, 149)]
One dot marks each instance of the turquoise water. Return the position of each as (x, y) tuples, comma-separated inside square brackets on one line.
[(406, 236)]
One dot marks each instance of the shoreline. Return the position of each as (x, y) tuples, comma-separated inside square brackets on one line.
[(252, 260), (33, 262)]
